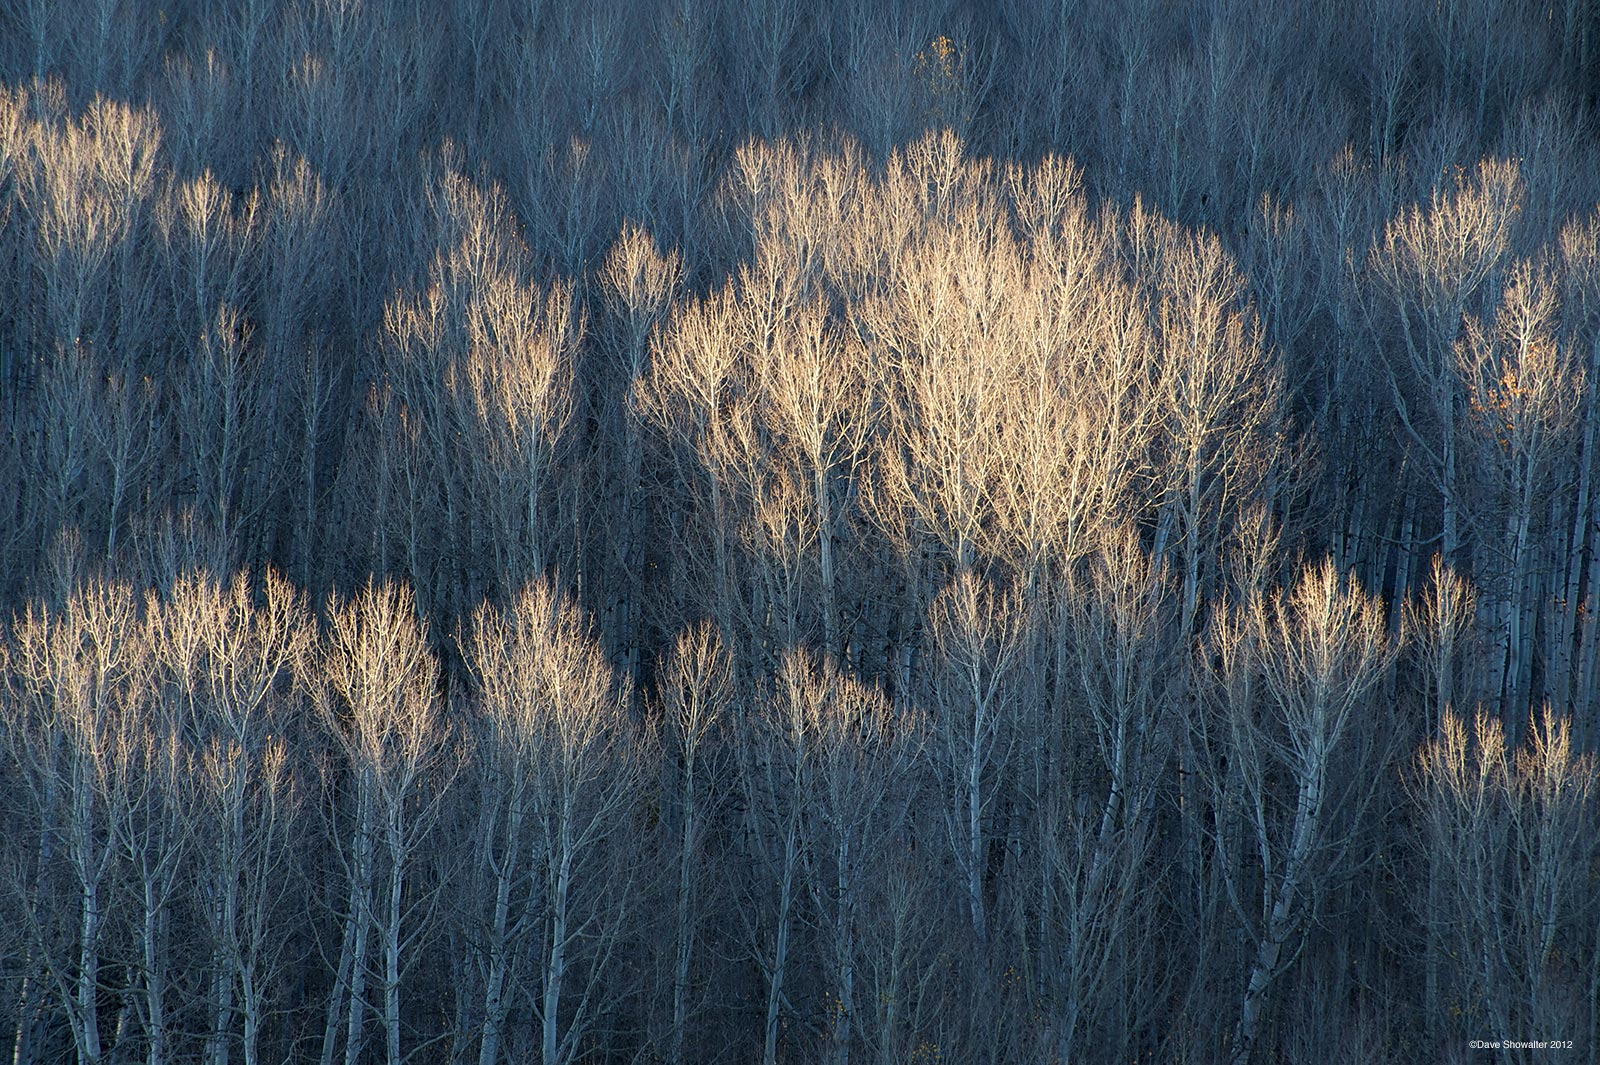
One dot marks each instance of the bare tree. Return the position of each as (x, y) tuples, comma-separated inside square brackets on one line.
[(1442, 630), (1093, 864), (688, 394), (1508, 827), (1433, 265), (127, 428), (979, 632), (376, 687), (147, 829), (695, 694), (1523, 394), (479, 366), (1221, 397), (225, 664), (76, 676), (1294, 672), (774, 763), (561, 780), (866, 753), (297, 243), (682, 83), (642, 284), (814, 405)]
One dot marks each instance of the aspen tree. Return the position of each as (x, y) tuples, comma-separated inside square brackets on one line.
[(852, 811), (694, 700), (376, 684), (1096, 843), (1434, 265), (979, 632), (76, 675), (1294, 672), (642, 283), (1523, 397), (225, 663), (1507, 824), (561, 782)]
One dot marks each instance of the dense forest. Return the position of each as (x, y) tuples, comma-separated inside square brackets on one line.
[(897, 532)]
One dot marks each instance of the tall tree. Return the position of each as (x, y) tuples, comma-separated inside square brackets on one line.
[(1291, 758), (376, 686), (562, 773)]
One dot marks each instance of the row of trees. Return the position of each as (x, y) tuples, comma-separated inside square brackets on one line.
[(1206, 104), (690, 531), (910, 373), (236, 830)]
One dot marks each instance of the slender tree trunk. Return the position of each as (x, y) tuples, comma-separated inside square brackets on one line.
[(338, 997), (87, 1011), (722, 580), (392, 938), (361, 914), (824, 516), (633, 551), (27, 1017), (494, 1006), (780, 953), (155, 984), (684, 932), (91, 862), (535, 546), (1524, 588), (1589, 653), (556, 967), (845, 973), (1564, 666), (975, 841), (311, 425), (252, 1013), (1281, 921), (225, 918), (1451, 545), (1405, 560)]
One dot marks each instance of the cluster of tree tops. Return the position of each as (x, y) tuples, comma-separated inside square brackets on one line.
[(709, 530)]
